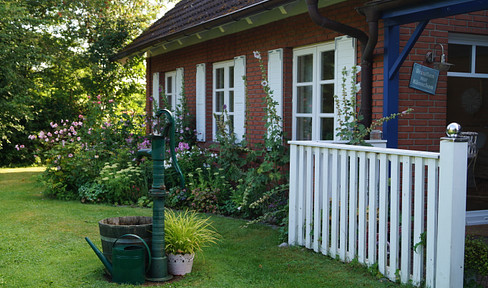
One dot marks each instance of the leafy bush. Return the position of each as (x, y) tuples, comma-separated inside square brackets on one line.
[(123, 184), (476, 256), (91, 192), (77, 151)]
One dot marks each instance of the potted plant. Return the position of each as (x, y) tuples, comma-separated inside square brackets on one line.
[(185, 234)]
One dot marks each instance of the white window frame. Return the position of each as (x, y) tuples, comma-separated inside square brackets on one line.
[(473, 41), (316, 83), (227, 90)]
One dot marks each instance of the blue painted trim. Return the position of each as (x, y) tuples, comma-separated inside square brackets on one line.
[(408, 47), (390, 85), (431, 10)]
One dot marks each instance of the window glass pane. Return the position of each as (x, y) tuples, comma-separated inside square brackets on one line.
[(169, 85), (304, 128), (327, 95), (231, 77), (170, 102), (327, 129), (305, 68), (327, 65), (219, 78), (231, 101), (460, 56), (231, 124), (304, 98), (481, 59), (219, 101)]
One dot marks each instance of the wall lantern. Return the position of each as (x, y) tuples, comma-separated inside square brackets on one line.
[(442, 65)]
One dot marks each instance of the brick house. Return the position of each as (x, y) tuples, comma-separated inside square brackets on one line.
[(207, 46)]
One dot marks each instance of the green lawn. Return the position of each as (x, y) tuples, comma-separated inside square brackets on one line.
[(42, 245)]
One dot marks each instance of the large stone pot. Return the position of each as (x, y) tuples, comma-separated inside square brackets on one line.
[(113, 228)]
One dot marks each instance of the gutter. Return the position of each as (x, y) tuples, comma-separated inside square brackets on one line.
[(368, 43)]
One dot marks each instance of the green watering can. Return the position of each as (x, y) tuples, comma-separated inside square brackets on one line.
[(128, 261)]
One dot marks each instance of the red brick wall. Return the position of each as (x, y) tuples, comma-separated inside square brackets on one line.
[(420, 130)]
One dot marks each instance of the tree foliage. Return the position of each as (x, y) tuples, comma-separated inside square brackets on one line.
[(56, 55)]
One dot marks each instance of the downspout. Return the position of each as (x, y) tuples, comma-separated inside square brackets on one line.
[(367, 43)]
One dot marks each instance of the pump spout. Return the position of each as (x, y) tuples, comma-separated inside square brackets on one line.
[(100, 256)]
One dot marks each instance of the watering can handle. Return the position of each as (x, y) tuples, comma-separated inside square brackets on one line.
[(143, 242), (171, 131)]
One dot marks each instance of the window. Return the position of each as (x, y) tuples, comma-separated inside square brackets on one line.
[(169, 91), (229, 95), (316, 77), (155, 93), (467, 82), (469, 54), (224, 91)]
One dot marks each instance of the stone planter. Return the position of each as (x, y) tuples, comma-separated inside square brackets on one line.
[(180, 264)]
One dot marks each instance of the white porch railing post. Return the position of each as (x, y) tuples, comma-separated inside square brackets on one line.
[(452, 213)]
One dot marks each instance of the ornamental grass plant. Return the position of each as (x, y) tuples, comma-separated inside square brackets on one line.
[(186, 232)]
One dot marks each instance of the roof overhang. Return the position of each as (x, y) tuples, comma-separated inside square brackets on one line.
[(250, 17), (398, 12)]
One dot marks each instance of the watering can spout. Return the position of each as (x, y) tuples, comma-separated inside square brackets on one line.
[(100, 256)]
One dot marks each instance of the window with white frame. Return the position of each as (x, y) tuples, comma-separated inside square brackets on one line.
[(467, 84), (170, 89), (467, 80), (316, 79), (223, 93)]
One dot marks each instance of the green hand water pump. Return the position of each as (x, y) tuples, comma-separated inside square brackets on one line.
[(159, 267), (127, 267)]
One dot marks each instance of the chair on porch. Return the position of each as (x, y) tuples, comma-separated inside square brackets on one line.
[(472, 155)]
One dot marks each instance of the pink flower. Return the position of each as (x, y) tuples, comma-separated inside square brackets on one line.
[(99, 97), (110, 101), (80, 116), (70, 155)]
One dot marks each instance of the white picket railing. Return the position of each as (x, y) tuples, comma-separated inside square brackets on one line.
[(377, 204)]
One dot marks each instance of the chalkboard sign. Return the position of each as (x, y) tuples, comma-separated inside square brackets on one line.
[(424, 78)]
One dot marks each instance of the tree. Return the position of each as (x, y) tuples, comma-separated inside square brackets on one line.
[(56, 55)]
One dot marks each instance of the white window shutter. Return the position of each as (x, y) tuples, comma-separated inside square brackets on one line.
[(155, 91), (275, 79), (239, 97), (345, 56), (200, 102), (179, 85)]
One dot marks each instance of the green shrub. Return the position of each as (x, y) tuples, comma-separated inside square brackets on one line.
[(476, 256), (91, 192)]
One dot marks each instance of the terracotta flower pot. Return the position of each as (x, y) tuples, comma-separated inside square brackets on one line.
[(180, 264)]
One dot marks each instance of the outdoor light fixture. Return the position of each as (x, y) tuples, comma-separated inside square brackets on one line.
[(442, 65)]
